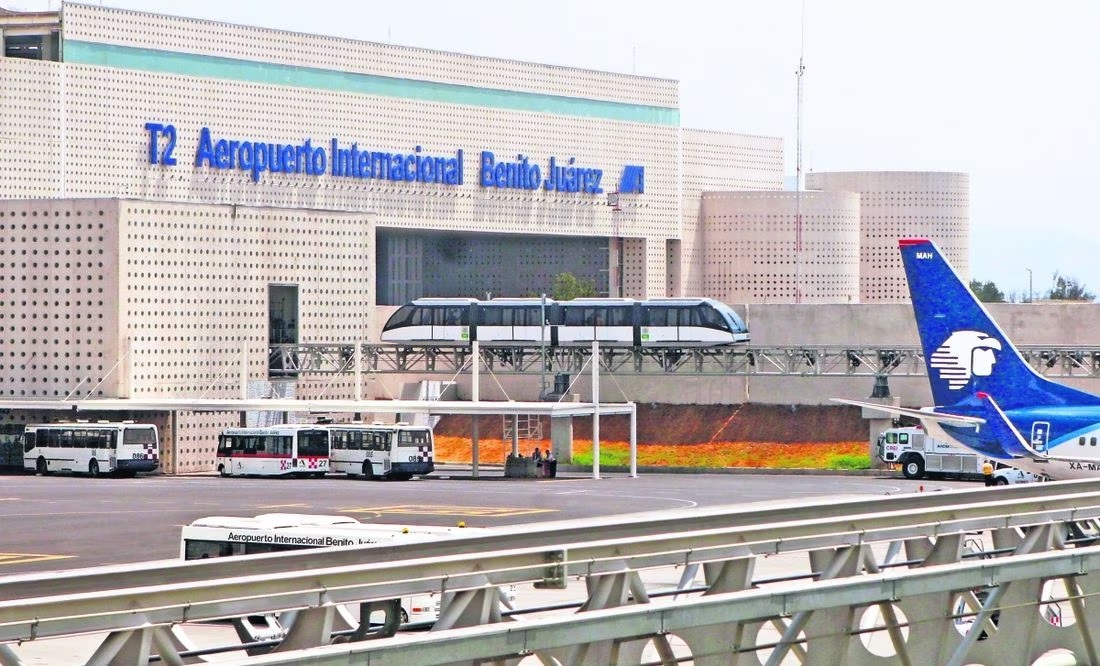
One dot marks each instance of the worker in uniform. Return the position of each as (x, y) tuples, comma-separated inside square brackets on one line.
[(987, 472)]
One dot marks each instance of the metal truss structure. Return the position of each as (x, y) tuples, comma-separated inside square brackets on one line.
[(799, 360), (990, 576)]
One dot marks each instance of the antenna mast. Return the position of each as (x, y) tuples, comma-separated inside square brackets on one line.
[(798, 165)]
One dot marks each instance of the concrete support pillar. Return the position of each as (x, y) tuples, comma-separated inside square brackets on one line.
[(561, 438), (515, 435)]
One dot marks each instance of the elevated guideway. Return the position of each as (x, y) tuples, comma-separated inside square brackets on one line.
[(798, 360), (993, 576)]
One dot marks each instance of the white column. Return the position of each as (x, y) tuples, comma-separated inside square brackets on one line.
[(475, 393), (358, 371), (595, 409), (633, 440)]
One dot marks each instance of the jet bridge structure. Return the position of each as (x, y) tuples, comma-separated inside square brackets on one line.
[(984, 576)]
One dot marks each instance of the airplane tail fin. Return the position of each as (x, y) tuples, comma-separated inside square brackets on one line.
[(964, 349)]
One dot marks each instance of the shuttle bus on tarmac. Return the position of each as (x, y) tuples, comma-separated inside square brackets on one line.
[(278, 450), (381, 450), (91, 448), (223, 536)]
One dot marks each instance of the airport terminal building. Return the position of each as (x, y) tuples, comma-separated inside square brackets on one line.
[(179, 194)]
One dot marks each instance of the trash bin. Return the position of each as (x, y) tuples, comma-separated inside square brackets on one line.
[(561, 383)]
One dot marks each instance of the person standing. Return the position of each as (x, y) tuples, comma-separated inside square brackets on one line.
[(987, 472)]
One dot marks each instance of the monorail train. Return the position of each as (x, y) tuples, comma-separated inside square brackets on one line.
[(661, 322)]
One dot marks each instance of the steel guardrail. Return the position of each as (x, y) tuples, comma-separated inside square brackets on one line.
[(130, 596)]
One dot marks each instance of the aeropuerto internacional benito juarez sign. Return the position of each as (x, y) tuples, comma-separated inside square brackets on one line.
[(341, 159)]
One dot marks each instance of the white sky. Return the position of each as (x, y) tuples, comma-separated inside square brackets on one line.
[(1005, 91)]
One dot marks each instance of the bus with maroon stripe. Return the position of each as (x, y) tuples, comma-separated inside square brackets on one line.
[(278, 450)]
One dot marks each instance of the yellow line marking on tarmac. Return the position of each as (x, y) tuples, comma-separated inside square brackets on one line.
[(25, 558), (438, 510)]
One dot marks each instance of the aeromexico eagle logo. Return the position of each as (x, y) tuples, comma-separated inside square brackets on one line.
[(963, 355)]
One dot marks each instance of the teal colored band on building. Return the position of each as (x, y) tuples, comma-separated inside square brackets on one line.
[(205, 66)]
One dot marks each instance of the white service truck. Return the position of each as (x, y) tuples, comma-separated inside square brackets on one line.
[(922, 456)]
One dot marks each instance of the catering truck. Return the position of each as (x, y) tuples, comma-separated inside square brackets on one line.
[(921, 456)]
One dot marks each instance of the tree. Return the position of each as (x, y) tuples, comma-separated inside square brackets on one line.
[(987, 292), (1067, 288), (567, 287)]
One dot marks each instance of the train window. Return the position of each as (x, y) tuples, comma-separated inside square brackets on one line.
[(455, 316), (654, 315), (421, 317), (619, 316), (531, 316), (490, 316), (574, 316), (711, 318), (403, 317)]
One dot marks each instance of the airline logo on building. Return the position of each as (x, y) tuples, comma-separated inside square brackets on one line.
[(340, 159)]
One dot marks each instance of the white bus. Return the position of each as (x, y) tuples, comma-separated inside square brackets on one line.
[(222, 536), (91, 448), (278, 450), (381, 450)]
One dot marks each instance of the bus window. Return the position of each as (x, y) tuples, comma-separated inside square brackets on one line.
[(312, 443), (195, 549), (414, 438), (30, 438), (139, 437)]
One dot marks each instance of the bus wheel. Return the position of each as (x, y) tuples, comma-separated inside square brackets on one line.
[(93, 468), (222, 471), (40, 466), (913, 468), (368, 470)]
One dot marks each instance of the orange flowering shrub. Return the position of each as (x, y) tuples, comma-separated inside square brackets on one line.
[(805, 455)]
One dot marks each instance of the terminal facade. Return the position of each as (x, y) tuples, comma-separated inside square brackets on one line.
[(181, 194)]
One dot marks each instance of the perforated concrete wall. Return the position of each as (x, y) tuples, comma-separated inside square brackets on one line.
[(898, 204), (59, 290), (752, 253), (83, 122), (119, 298), (717, 162)]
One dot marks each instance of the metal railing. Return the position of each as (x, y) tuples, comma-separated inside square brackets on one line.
[(1040, 532)]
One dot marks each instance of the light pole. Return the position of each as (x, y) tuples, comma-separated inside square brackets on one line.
[(1030, 293)]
